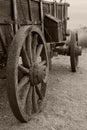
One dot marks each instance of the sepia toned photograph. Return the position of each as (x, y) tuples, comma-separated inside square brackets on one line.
[(43, 65)]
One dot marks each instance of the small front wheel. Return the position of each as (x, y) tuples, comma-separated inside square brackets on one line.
[(73, 56)]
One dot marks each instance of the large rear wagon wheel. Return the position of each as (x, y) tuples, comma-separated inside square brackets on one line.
[(27, 72), (73, 56)]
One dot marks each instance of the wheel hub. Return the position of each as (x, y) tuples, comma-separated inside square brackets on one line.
[(36, 74)]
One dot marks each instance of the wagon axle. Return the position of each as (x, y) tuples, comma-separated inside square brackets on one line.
[(66, 50)]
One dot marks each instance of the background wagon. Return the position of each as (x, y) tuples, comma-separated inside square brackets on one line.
[(31, 31)]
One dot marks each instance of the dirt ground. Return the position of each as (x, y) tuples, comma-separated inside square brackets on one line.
[(65, 107)]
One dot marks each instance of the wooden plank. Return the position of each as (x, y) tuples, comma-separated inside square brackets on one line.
[(22, 8), (23, 11), (53, 30), (46, 8), (35, 8), (5, 9), (59, 11)]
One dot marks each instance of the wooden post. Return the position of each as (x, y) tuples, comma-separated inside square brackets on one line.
[(50, 9), (41, 14), (55, 9), (15, 14), (65, 19), (29, 8), (62, 11)]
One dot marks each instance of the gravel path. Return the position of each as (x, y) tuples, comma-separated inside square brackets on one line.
[(65, 107)]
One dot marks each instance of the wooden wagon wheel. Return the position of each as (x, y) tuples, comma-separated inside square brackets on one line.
[(73, 56), (27, 72)]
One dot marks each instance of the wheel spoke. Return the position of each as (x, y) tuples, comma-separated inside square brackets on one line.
[(29, 47), (29, 101), (25, 58), (46, 75), (38, 93), (43, 89), (23, 96), (23, 69), (39, 49), (34, 100), (23, 81), (34, 46), (42, 63), (42, 68)]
